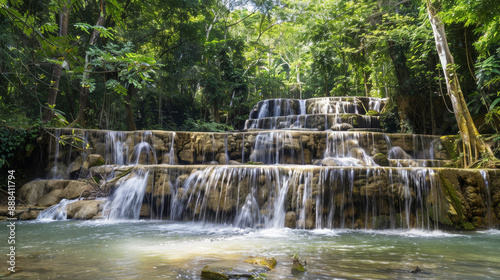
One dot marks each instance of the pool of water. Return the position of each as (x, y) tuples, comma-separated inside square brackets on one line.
[(179, 250)]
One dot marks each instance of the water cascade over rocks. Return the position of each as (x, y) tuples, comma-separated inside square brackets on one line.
[(315, 163)]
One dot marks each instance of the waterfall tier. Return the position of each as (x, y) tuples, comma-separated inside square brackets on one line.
[(316, 163)]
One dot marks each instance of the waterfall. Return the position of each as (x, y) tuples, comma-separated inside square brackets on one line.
[(125, 202), (144, 152), (273, 147), (116, 148), (171, 153), (56, 212), (487, 193), (302, 107)]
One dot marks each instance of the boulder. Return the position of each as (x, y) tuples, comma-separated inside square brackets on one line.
[(50, 199), (93, 160), (83, 209), (291, 219), (381, 159), (31, 192), (262, 261), (75, 189), (226, 270)]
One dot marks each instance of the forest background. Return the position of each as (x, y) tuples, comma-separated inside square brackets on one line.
[(201, 65)]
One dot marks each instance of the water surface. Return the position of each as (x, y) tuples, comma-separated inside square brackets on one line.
[(179, 250)]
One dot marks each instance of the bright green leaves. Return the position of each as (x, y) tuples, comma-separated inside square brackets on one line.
[(128, 68)]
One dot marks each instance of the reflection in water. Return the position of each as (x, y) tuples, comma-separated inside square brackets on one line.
[(158, 249)]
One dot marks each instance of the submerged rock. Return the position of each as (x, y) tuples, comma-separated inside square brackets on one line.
[(297, 266), (261, 261), (226, 270), (416, 270)]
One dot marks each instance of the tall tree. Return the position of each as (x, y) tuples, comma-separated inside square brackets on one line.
[(57, 71), (473, 146)]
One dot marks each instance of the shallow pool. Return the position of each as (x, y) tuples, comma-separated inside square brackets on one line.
[(179, 250)]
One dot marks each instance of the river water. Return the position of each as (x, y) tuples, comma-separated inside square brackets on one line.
[(179, 250)]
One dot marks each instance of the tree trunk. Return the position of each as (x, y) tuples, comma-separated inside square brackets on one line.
[(81, 119), (365, 82), (129, 114), (56, 73), (473, 146)]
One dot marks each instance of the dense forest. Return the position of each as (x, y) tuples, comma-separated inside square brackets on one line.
[(200, 65)]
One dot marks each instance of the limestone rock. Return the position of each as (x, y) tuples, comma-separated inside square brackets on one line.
[(297, 266), (226, 270), (31, 192), (93, 160), (50, 199), (381, 159), (291, 219), (83, 209), (329, 162), (267, 262), (74, 189)]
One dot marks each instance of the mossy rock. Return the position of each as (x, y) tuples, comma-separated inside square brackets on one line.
[(450, 146), (254, 163), (381, 159), (226, 270), (455, 213), (372, 113), (267, 262), (297, 266)]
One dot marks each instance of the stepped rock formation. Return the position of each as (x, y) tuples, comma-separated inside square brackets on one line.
[(316, 163)]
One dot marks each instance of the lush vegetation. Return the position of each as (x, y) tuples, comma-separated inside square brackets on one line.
[(202, 64)]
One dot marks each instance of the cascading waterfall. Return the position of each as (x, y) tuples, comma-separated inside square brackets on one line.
[(293, 178), (144, 152), (125, 202), (486, 183), (116, 148), (322, 197), (272, 147), (56, 212)]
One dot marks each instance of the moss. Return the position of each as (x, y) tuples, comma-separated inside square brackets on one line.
[(253, 163), (456, 205), (450, 145), (381, 159), (372, 113), (267, 262), (297, 267)]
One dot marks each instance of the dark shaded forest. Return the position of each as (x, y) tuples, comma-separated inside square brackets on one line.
[(201, 65)]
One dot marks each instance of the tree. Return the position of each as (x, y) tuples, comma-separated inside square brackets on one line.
[(57, 71), (473, 146)]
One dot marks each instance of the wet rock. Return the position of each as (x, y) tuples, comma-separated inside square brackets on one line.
[(341, 127), (232, 270), (93, 160), (291, 219), (50, 199), (33, 191), (262, 261), (75, 189), (29, 215), (329, 162), (416, 270), (381, 159), (83, 209), (297, 266), (74, 167), (234, 162)]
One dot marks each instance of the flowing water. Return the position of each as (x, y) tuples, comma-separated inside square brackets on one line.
[(148, 249)]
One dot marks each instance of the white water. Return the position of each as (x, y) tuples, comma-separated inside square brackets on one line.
[(56, 212), (125, 202)]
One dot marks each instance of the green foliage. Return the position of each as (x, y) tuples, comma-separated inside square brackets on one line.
[(16, 142), (198, 125)]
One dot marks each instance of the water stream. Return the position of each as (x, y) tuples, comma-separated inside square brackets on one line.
[(178, 250)]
